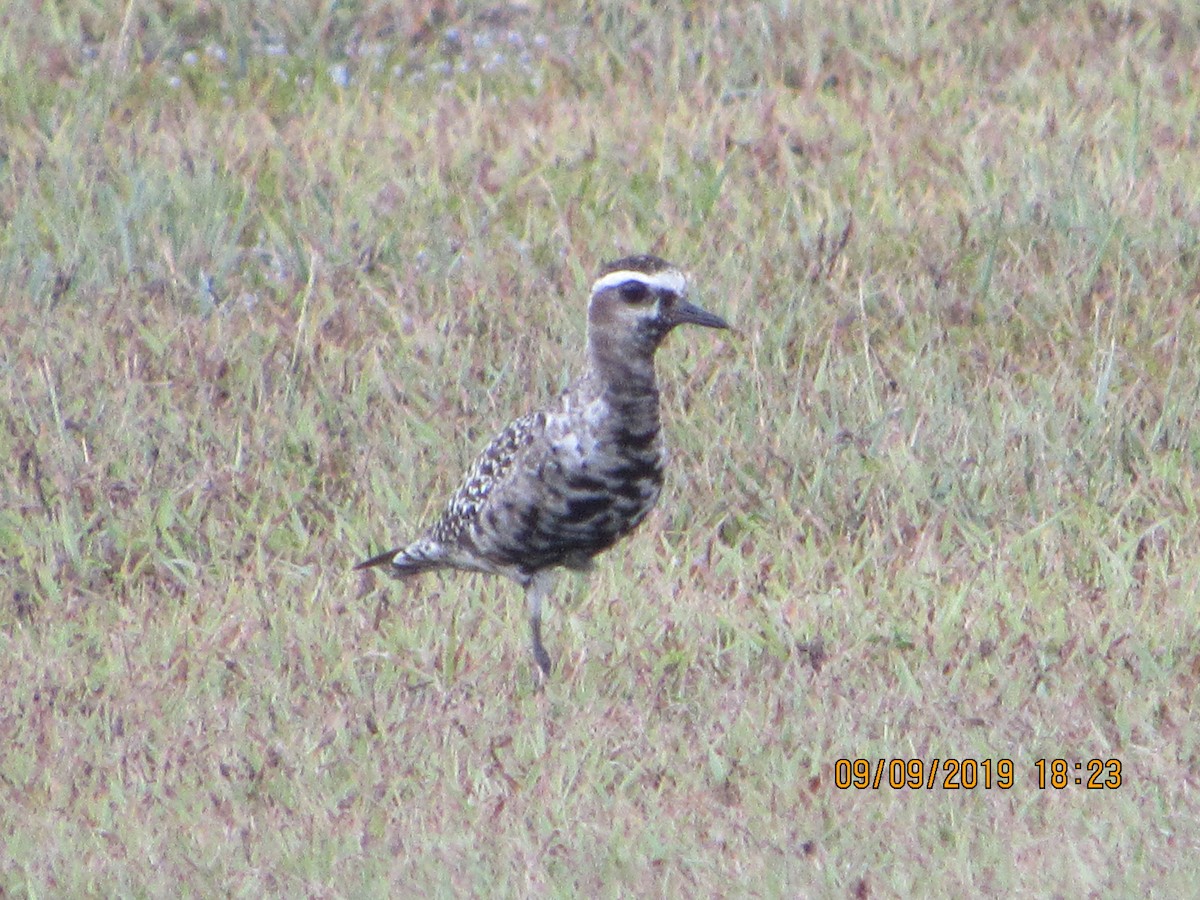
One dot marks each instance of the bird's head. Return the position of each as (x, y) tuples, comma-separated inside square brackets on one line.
[(637, 300)]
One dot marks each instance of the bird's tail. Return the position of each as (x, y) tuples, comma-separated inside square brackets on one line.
[(421, 556), (381, 560)]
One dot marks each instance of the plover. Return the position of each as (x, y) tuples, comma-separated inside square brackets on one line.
[(558, 486)]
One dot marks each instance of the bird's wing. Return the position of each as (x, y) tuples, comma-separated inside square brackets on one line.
[(493, 471)]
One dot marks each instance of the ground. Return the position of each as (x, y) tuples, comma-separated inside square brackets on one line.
[(273, 272)]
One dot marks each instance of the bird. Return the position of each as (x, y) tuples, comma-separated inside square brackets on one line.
[(561, 485)]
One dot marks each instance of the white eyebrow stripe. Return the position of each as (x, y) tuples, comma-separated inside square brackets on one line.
[(670, 279)]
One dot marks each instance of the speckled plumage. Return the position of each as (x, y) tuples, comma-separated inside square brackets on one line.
[(559, 486)]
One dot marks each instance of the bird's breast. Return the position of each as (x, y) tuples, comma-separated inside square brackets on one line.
[(607, 475)]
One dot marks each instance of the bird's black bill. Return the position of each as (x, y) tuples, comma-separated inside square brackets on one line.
[(691, 314)]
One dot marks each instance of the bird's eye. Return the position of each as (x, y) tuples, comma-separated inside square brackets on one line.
[(634, 292)]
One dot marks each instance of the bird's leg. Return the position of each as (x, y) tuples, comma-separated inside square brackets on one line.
[(539, 650), (539, 587)]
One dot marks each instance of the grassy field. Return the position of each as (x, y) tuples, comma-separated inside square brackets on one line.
[(274, 271)]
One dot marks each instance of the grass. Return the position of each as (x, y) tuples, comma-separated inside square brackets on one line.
[(274, 273)]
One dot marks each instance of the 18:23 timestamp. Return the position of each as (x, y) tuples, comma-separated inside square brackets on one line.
[(1095, 774)]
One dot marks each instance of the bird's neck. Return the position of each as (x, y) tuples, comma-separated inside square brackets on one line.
[(623, 374)]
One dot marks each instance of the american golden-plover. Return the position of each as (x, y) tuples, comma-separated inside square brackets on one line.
[(559, 486)]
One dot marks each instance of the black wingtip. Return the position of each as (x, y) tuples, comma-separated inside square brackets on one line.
[(381, 560)]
